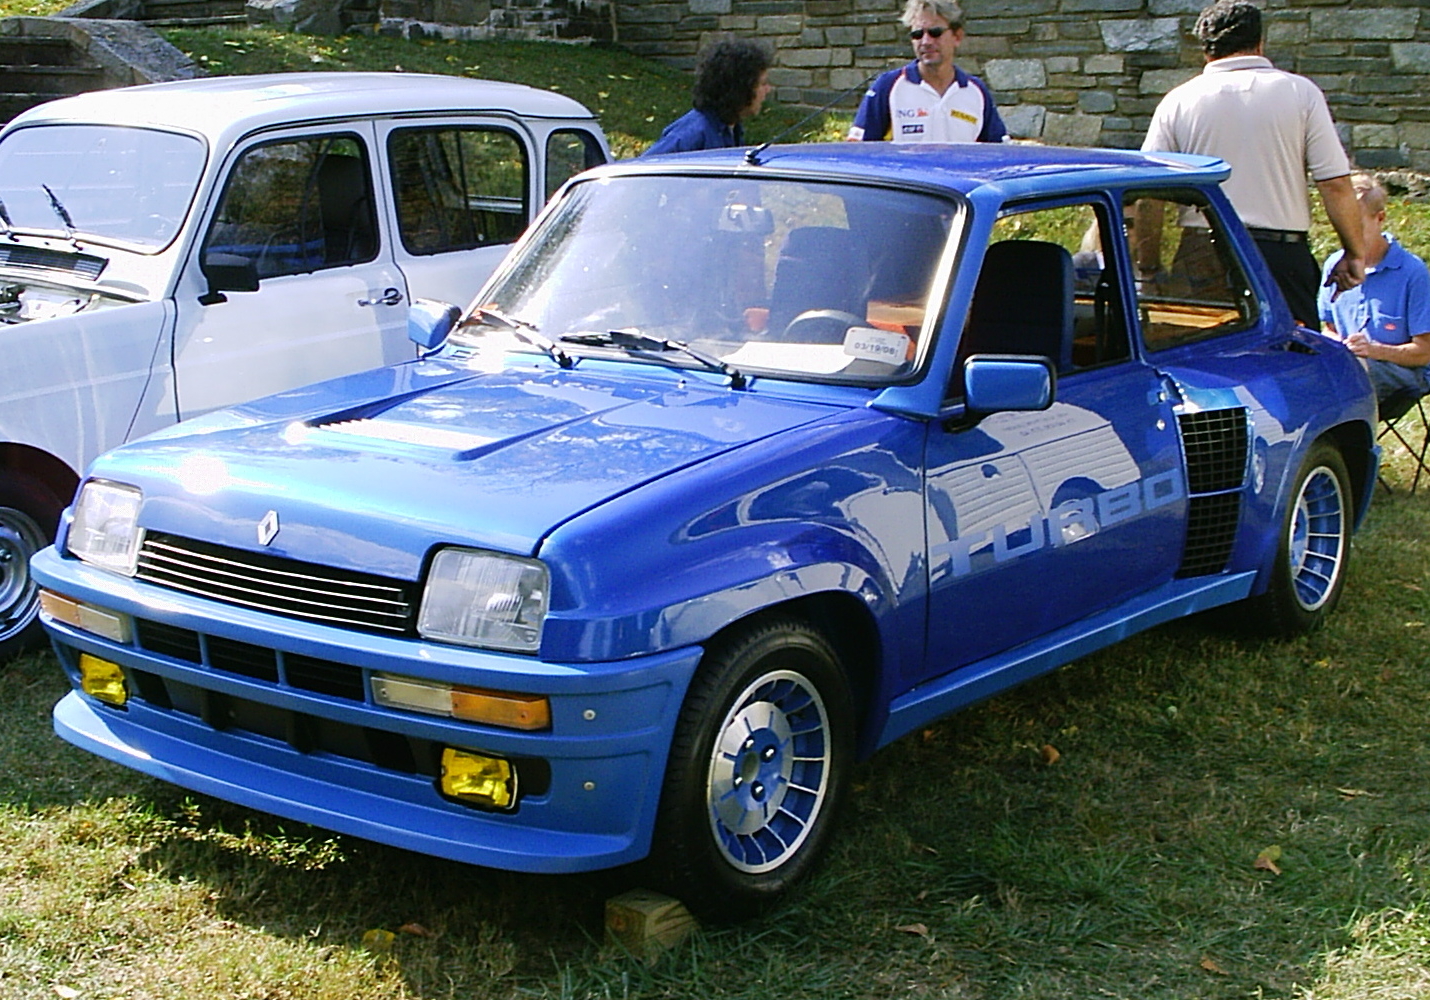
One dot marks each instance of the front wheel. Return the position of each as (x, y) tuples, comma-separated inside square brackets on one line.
[(1312, 550), (758, 766), (28, 516)]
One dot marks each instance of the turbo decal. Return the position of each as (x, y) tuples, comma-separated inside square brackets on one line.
[(1069, 522)]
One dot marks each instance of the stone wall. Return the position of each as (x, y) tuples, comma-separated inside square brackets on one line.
[(1081, 72)]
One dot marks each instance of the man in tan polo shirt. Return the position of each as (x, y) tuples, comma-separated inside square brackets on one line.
[(1274, 128)]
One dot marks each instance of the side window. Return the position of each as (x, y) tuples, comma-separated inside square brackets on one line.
[(1190, 286), (458, 188), (1049, 285), (568, 152), (297, 206)]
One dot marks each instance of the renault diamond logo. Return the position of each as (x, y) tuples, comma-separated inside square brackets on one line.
[(268, 527)]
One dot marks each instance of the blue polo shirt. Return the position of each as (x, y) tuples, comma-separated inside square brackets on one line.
[(1391, 306), (901, 107), (696, 129)]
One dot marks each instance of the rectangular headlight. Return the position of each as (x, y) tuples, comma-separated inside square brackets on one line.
[(105, 532), (485, 599)]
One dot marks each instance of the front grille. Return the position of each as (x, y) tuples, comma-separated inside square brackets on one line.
[(1216, 444), (344, 598), (308, 673)]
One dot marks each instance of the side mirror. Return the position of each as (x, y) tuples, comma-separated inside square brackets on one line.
[(227, 272), (429, 322), (998, 382)]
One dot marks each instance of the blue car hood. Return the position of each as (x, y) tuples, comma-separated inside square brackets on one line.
[(432, 456)]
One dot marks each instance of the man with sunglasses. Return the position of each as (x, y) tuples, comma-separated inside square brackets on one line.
[(930, 99)]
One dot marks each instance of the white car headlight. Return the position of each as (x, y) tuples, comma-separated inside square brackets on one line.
[(484, 599), (106, 531)]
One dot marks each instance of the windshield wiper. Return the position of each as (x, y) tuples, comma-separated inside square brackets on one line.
[(63, 215), (5, 220), (526, 332), (632, 340)]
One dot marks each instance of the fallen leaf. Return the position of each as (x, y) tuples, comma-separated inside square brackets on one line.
[(1267, 859), (1211, 966), (920, 929), (415, 929), (1356, 793), (68, 992), (1050, 754), (1414, 624), (378, 941), (926, 735)]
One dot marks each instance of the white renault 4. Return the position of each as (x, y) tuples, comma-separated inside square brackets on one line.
[(173, 248)]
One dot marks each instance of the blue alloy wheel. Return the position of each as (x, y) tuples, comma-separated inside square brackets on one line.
[(757, 768), (1314, 543), (769, 772), (1318, 538)]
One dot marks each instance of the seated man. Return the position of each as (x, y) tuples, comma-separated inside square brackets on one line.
[(1386, 321)]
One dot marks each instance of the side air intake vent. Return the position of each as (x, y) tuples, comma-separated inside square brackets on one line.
[(1216, 444)]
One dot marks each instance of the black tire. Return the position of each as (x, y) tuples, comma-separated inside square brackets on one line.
[(1311, 551), (29, 514), (738, 826)]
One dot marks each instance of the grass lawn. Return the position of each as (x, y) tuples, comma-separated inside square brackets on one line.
[(1222, 817)]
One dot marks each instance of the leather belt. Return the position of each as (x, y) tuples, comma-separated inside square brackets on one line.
[(1276, 235)]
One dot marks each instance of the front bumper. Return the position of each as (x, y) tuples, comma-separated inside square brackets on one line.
[(306, 741)]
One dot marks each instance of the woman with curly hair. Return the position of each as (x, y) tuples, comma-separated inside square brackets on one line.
[(731, 84)]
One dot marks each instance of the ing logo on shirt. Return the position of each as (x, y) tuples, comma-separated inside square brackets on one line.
[(912, 112), (916, 129)]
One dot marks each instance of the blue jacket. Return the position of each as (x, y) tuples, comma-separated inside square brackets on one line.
[(696, 129)]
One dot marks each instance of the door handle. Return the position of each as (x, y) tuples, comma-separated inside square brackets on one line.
[(389, 297)]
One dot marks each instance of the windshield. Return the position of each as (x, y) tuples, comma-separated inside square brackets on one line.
[(112, 184), (810, 279)]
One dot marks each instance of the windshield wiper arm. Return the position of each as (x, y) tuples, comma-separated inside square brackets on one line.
[(525, 332), (60, 211), (632, 340), (5, 220)]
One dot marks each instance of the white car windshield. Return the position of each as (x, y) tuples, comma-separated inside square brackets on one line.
[(106, 183), (816, 280)]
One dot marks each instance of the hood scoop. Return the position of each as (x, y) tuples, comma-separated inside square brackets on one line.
[(416, 435), (81, 265)]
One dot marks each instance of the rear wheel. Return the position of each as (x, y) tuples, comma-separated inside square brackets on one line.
[(758, 767), (28, 516), (1313, 549)]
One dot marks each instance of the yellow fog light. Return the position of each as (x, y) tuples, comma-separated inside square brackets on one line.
[(103, 680), (98, 621), (477, 779)]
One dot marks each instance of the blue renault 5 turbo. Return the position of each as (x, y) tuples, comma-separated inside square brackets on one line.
[(741, 466)]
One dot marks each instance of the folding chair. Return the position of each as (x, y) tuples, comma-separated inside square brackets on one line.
[(1397, 418)]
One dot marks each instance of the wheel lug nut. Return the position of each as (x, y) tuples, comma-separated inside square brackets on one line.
[(769, 753), (758, 791)]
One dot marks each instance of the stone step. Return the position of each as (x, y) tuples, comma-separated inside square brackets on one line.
[(190, 10), (18, 51), (51, 81), (204, 21)]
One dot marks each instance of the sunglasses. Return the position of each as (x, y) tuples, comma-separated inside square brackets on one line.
[(917, 33)]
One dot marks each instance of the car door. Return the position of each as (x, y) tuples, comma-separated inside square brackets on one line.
[(461, 191), (1037, 519), (301, 206)]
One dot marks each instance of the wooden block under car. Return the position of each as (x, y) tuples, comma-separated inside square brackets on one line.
[(647, 922)]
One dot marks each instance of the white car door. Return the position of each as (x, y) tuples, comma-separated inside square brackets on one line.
[(462, 189), (302, 208)]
